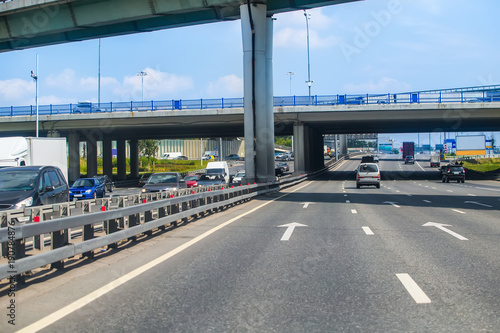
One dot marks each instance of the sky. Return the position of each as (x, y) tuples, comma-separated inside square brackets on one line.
[(371, 46)]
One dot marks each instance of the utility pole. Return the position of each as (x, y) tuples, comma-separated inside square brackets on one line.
[(309, 82), (290, 74), (35, 78)]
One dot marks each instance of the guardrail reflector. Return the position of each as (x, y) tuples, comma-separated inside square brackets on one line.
[(36, 219), (143, 200), (103, 208)]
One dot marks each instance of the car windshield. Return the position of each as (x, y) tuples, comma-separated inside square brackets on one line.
[(215, 171), (211, 177), (240, 174), (160, 178), (83, 183), (191, 178), (23, 180), (368, 168)]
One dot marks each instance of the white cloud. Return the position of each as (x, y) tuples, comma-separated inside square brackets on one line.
[(90, 83), (157, 84), (229, 85), (16, 91), (65, 80), (383, 86), (296, 38)]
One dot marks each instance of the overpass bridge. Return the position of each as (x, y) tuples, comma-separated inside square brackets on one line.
[(463, 110)]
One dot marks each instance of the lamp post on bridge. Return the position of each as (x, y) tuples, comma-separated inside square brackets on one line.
[(142, 74), (309, 82), (35, 78), (290, 74)]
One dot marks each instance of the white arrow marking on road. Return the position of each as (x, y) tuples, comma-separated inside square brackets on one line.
[(290, 227), (392, 203), (477, 203), (442, 226), (306, 204)]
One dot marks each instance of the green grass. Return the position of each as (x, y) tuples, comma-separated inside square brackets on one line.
[(483, 164)]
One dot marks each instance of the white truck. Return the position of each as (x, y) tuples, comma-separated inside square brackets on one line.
[(435, 161), (20, 151), (171, 156), (218, 168)]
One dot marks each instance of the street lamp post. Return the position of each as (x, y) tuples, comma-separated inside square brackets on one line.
[(290, 74), (142, 74), (35, 78), (309, 82)]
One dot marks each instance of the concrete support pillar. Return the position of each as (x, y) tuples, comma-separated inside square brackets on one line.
[(299, 148), (258, 92), (134, 158), (343, 144), (121, 154), (74, 157), (107, 156), (91, 156)]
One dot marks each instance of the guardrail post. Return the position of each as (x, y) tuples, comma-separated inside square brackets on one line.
[(38, 240), (148, 216), (185, 207), (59, 239)]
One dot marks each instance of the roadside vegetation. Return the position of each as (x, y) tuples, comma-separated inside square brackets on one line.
[(483, 164)]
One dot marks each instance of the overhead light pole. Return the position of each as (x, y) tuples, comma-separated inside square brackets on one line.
[(99, 77), (309, 82), (35, 78), (142, 74), (290, 74)]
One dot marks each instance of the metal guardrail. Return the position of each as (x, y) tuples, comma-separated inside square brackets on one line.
[(122, 218), (480, 94)]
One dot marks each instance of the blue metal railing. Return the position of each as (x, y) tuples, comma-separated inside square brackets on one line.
[(481, 94)]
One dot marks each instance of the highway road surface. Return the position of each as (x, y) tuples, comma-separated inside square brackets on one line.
[(416, 255)]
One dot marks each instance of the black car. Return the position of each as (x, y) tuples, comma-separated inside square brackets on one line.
[(32, 186), (453, 172), (409, 159), (211, 179), (232, 157), (144, 179), (109, 185)]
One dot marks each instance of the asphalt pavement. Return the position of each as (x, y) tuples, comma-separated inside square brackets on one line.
[(416, 255)]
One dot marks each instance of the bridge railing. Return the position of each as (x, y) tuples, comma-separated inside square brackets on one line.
[(466, 95)]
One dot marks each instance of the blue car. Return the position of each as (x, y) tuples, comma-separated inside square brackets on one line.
[(86, 188)]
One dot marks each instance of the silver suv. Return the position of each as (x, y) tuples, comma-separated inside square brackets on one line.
[(368, 174)]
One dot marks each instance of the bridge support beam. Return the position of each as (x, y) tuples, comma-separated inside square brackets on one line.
[(74, 157), (258, 92), (343, 144), (107, 156), (91, 156), (121, 154), (308, 149), (134, 158)]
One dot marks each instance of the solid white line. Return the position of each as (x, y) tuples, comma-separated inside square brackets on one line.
[(354, 211), (368, 231), (449, 191), (413, 289), (420, 166), (458, 211), (59, 314), (472, 195)]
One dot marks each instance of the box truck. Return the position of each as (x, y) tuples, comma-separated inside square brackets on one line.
[(435, 161), (408, 149), (29, 151)]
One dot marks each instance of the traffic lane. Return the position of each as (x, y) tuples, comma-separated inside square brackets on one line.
[(245, 278), (458, 276)]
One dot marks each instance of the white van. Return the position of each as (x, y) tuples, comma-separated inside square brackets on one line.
[(218, 168), (171, 156)]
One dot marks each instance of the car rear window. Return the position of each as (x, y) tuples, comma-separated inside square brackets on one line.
[(368, 168), (456, 168)]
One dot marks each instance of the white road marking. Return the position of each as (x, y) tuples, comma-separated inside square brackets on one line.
[(409, 195), (458, 211), (449, 191), (392, 203), (306, 204), (368, 231), (478, 203), (78, 304), (354, 211), (397, 191), (345, 195), (420, 166), (413, 289), (427, 201), (472, 195), (290, 227), (347, 201), (488, 189), (433, 188), (441, 226)]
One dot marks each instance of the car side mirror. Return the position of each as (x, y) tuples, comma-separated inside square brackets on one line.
[(49, 188)]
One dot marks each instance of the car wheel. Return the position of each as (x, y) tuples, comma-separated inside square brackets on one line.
[(463, 180), (442, 180), (111, 188), (447, 180), (458, 180), (358, 186), (378, 185)]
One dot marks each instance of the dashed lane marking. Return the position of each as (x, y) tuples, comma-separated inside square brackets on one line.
[(413, 289)]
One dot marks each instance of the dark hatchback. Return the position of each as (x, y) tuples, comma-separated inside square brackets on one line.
[(453, 172), (32, 186)]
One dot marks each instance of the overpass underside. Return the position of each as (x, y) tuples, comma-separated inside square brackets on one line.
[(33, 23)]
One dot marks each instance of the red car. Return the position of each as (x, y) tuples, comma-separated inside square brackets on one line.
[(192, 180)]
